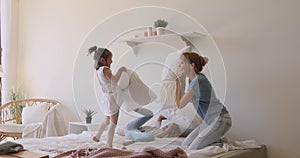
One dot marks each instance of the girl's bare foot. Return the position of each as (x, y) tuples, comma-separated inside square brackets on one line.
[(95, 139)]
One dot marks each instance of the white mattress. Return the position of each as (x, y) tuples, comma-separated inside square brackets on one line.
[(56, 145)]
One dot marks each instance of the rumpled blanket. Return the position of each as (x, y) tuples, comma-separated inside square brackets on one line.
[(53, 125), (33, 130), (118, 153)]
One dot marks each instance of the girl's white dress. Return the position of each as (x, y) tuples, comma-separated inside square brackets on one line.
[(108, 101)]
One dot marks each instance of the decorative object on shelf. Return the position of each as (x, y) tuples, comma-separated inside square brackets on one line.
[(145, 34), (160, 25), (88, 115), (149, 30)]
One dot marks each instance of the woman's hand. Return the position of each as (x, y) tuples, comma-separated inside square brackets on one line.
[(123, 68), (178, 92)]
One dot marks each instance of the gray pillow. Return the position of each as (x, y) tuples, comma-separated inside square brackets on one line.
[(10, 147)]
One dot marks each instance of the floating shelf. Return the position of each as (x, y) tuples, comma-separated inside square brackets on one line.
[(166, 37), (186, 37)]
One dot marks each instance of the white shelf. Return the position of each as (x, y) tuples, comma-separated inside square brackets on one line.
[(185, 37), (78, 127)]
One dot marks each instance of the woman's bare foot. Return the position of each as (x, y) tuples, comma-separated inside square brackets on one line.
[(127, 142), (95, 139)]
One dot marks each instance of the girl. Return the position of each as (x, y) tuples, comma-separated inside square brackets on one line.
[(216, 119), (103, 60)]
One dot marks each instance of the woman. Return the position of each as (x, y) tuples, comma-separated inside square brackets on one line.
[(216, 119)]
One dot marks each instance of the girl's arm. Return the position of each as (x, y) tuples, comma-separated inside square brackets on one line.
[(186, 98), (113, 78)]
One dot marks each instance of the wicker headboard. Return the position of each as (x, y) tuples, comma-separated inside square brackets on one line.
[(11, 112)]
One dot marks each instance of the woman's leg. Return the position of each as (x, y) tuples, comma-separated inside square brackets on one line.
[(132, 131), (211, 133), (112, 127), (192, 136), (101, 129), (137, 123)]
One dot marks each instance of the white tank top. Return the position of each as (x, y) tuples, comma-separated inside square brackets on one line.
[(105, 84), (108, 102)]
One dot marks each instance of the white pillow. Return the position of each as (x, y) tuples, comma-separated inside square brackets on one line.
[(137, 93), (168, 95), (171, 65), (186, 119), (33, 114), (123, 81)]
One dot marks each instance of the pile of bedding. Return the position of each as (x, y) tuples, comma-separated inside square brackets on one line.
[(112, 152), (54, 146)]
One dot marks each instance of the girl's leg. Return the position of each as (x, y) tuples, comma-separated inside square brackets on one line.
[(101, 129), (112, 127)]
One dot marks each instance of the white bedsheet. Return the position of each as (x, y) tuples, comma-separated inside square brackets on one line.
[(56, 145)]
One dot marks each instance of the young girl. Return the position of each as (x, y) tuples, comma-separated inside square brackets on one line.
[(103, 60), (216, 119)]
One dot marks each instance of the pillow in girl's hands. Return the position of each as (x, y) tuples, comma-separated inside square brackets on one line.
[(124, 80), (135, 93)]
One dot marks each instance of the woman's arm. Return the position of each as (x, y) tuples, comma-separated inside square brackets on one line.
[(186, 98), (113, 78)]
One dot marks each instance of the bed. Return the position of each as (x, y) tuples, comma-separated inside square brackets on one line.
[(54, 146)]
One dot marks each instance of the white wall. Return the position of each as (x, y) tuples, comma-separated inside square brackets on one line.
[(257, 39)]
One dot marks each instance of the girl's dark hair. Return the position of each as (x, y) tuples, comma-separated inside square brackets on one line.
[(195, 58), (98, 54)]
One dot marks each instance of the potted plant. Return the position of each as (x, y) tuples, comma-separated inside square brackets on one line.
[(15, 94), (88, 115), (160, 25)]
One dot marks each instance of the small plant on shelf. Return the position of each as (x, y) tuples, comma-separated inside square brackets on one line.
[(160, 23), (88, 115)]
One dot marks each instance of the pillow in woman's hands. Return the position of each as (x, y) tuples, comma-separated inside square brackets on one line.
[(171, 68)]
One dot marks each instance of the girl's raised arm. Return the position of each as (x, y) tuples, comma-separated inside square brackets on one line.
[(113, 78)]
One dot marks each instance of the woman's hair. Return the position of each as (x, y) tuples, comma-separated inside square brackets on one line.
[(195, 58), (98, 54)]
